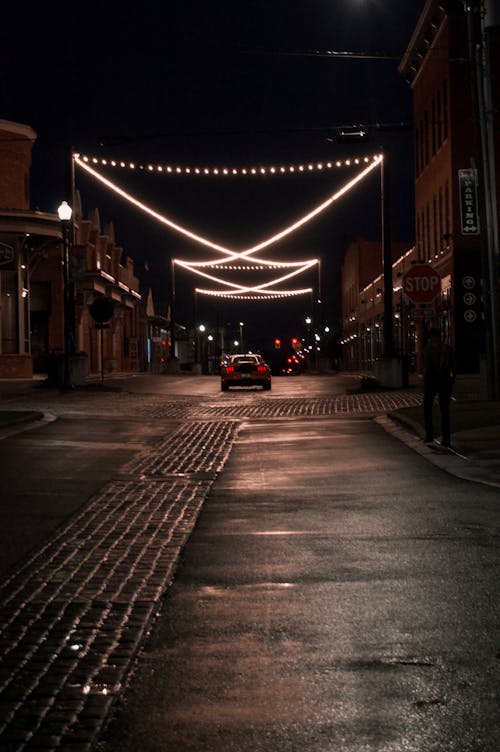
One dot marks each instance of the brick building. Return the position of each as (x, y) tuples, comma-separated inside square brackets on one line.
[(362, 302), (32, 332), (442, 68)]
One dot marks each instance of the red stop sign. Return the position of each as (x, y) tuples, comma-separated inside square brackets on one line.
[(421, 283)]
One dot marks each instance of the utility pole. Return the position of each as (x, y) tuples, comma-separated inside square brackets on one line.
[(387, 258), (482, 55), (172, 308)]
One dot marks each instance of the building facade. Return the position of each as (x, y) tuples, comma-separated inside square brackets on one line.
[(442, 68), (440, 65), (362, 286), (33, 335)]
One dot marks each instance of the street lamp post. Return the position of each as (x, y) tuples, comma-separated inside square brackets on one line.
[(199, 354), (65, 213), (241, 334)]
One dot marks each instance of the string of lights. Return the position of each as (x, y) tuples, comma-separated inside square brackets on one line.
[(232, 255), (244, 288), (276, 294), (221, 171), (238, 291)]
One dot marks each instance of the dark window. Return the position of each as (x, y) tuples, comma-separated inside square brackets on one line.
[(417, 155), (433, 127), (439, 116), (445, 109), (428, 230), (447, 223), (426, 138), (434, 224)]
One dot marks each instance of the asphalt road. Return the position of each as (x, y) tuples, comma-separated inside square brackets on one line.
[(337, 591)]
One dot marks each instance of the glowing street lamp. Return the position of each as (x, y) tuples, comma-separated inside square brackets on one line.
[(65, 213)]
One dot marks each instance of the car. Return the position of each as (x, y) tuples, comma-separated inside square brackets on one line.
[(246, 369)]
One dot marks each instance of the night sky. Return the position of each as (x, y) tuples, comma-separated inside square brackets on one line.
[(220, 83)]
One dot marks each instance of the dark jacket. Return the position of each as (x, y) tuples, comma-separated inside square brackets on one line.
[(439, 362)]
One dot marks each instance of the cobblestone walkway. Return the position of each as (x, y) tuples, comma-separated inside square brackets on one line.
[(74, 615), (269, 407)]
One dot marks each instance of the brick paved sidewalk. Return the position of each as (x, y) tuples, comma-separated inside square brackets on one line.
[(74, 615)]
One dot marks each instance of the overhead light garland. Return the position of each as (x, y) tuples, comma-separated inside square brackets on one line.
[(277, 294), (238, 291), (221, 171)]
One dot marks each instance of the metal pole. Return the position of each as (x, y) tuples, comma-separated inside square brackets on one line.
[(491, 256), (387, 258), (70, 198), (66, 283), (172, 308)]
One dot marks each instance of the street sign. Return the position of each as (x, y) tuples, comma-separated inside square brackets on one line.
[(421, 283)]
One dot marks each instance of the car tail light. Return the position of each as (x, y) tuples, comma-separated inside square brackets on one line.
[(261, 369), (229, 369)]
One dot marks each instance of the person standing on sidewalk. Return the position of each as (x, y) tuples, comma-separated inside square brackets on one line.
[(439, 377)]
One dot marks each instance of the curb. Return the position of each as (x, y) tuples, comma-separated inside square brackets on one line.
[(411, 433)]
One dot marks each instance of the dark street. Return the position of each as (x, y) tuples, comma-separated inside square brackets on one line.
[(189, 570), (338, 593)]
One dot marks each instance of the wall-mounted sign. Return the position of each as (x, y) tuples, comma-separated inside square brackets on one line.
[(469, 214), (7, 256)]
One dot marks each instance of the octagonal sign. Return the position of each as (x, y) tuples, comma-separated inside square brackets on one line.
[(421, 283)]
